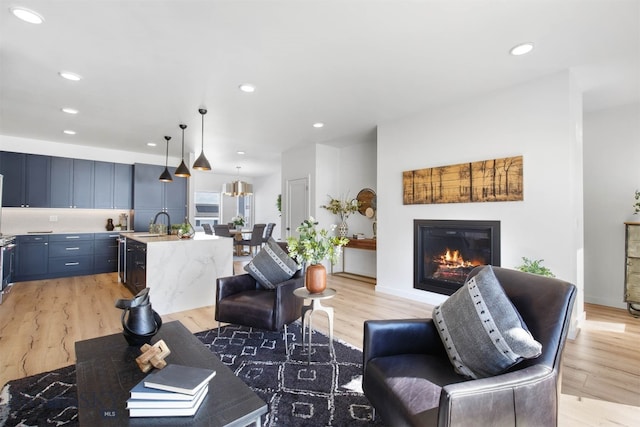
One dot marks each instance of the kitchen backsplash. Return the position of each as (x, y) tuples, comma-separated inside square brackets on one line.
[(24, 220)]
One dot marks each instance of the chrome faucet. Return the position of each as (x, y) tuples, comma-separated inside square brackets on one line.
[(155, 219)]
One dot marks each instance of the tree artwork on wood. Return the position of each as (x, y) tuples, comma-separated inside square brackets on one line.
[(497, 180)]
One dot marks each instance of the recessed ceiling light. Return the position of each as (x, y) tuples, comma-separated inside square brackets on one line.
[(70, 76), (69, 110), (318, 125), (521, 49), (27, 15), (246, 87), (240, 152), (69, 132), (151, 144)]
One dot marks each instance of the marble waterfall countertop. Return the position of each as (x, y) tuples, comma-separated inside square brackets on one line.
[(182, 273)]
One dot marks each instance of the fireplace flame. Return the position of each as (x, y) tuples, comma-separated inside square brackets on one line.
[(452, 259)]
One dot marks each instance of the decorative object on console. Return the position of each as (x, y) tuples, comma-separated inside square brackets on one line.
[(496, 180), (182, 170), (343, 208), (166, 175), (201, 162), (311, 248), (139, 321), (368, 206), (110, 225)]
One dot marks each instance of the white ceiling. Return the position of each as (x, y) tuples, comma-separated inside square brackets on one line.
[(148, 66)]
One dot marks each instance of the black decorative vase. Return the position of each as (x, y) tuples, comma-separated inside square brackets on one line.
[(110, 224), (139, 321)]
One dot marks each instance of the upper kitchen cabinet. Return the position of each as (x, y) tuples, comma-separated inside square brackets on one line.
[(150, 195), (72, 183), (26, 180), (113, 185)]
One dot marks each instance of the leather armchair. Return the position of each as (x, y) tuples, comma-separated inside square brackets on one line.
[(241, 300), (409, 380)]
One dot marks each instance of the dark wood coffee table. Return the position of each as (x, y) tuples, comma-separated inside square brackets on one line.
[(106, 371)]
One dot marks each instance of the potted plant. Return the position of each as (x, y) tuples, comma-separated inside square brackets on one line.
[(238, 221), (343, 208), (636, 205), (311, 247), (535, 267)]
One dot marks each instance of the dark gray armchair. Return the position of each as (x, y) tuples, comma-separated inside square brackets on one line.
[(243, 301), (409, 380)]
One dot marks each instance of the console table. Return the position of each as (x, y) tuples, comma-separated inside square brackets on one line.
[(364, 244), (106, 371)]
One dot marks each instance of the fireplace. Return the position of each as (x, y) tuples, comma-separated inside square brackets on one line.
[(445, 251)]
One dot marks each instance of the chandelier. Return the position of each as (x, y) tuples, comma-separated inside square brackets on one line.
[(237, 188)]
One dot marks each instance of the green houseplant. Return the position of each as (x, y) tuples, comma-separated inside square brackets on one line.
[(535, 267), (311, 247)]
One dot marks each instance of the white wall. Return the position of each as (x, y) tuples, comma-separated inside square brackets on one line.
[(611, 159), (266, 190), (538, 121)]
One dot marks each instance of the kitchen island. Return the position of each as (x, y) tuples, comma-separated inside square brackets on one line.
[(180, 273)]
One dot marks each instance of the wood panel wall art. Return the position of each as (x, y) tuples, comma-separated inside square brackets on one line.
[(497, 180)]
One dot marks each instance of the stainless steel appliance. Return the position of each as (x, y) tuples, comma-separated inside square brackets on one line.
[(7, 263), (122, 259)]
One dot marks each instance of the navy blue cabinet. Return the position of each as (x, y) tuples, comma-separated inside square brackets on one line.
[(26, 179), (32, 257), (112, 185), (152, 196), (105, 255), (70, 255), (71, 183)]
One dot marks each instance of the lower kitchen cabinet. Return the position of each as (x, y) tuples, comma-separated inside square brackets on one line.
[(136, 266), (70, 254), (63, 255), (105, 255), (32, 257)]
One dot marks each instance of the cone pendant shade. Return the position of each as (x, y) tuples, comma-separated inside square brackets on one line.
[(201, 162), (166, 176), (183, 170)]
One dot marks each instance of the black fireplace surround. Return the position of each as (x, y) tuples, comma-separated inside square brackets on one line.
[(445, 251)]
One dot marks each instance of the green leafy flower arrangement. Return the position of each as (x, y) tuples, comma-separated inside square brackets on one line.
[(238, 221), (636, 205), (342, 208), (313, 246)]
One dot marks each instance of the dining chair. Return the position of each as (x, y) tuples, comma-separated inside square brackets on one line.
[(268, 232), (255, 240)]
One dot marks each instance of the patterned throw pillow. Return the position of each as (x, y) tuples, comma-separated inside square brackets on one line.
[(482, 331), (271, 265)]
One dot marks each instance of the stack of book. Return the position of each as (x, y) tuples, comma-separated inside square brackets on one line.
[(174, 391)]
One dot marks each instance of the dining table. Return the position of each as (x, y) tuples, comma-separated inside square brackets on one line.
[(237, 234)]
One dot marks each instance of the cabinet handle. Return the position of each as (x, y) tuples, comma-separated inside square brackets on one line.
[(72, 237), (71, 263), (73, 249)]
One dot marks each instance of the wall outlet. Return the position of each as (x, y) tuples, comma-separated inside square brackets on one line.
[(53, 218)]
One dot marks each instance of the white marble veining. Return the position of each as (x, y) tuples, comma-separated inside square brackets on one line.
[(182, 273)]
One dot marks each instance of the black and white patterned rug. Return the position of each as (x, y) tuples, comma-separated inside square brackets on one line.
[(326, 392)]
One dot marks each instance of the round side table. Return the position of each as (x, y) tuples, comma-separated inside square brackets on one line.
[(309, 309)]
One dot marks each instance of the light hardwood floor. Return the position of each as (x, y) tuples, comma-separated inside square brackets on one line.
[(40, 322)]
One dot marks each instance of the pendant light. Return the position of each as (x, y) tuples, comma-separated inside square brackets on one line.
[(166, 176), (182, 170), (237, 188), (201, 162)]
